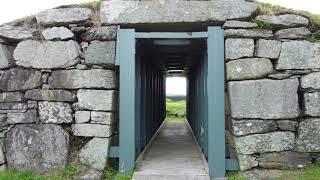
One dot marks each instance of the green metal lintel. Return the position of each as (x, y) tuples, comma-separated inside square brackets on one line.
[(171, 35)]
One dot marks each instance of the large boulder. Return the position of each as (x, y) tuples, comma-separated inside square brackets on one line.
[(11, 97), (310, 81), (15, 33), (142, 12), (6, 56), (63, 16), (293, 33), (60, 33), (284, 160), (299, 55), (312, 103), (37, 147), (47, 54), (20, 79), (98, 100), (100, 52), (50, 95), (268, 48), (261, 143), (95, 153), (238, 48), (248, 33), (284, 21), (103, 33), (92, 130), (249, 68), (55, 112), (264, 99), (252, 126), (77, 79), (308, 136)]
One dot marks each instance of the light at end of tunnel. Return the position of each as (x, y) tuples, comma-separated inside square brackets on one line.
[(172, 42)]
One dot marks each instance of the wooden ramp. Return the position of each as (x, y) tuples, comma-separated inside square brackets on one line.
[(172, 155)]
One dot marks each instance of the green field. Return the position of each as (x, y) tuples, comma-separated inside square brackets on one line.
[(175, 110)]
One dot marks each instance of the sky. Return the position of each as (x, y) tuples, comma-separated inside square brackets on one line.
[(14, 9)]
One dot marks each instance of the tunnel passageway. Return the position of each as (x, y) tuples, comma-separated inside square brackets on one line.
[(173, 154)]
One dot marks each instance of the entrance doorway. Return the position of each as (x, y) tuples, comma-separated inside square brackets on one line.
[(144, 59)]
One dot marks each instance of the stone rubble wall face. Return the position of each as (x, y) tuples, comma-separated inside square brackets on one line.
[(65, 86)]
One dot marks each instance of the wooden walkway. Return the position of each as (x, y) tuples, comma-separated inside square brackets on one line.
[(173, 155)]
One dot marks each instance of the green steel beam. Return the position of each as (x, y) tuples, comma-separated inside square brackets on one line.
[(215, 89), (232, 164), (127, 100), (113, 152), (171, 35)]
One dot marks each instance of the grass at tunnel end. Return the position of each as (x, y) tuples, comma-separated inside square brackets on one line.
[(175, 110)]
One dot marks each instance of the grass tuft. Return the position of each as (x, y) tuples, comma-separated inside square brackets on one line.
[(111, 172), (175, 110), (269, 9)]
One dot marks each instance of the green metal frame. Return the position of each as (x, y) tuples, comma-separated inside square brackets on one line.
[(132, 120)]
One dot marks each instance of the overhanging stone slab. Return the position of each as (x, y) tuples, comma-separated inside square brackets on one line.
[(154, 12)]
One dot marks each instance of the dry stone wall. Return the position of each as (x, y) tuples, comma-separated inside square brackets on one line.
[(58, 86), (58, 83)]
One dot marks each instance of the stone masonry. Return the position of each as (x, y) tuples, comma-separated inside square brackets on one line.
[(63, 85)]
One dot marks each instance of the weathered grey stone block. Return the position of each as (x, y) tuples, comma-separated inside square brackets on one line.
[(13, 107), (249, 68), (260, 143), (82, 116), (77, 79), (15, 33), (312, 103), (63, 16), (268, 48), (91, 130), (245, 127), (308, 136), (20, 79), (50, 95), (104, 33), (102, 117), (22, 118), (60, 33), (6, 56), (287, 125), (11, 97), (299, 55), (248, 33), (238, 48), (95, 153), (284, 160), (239, 25), (142, 12), (311, 81), (55, 112), (284, 21), (100, 52), (47, 54), (2, 158), (264, 99), (43, 147), (98, 100), (293, 33), (247, 162)]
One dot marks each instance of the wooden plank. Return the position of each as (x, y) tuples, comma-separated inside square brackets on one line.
[(215, 89), (171, 35), (127, 100)]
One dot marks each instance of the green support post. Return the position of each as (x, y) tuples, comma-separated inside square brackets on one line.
[(127, 100), (215, 92)]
